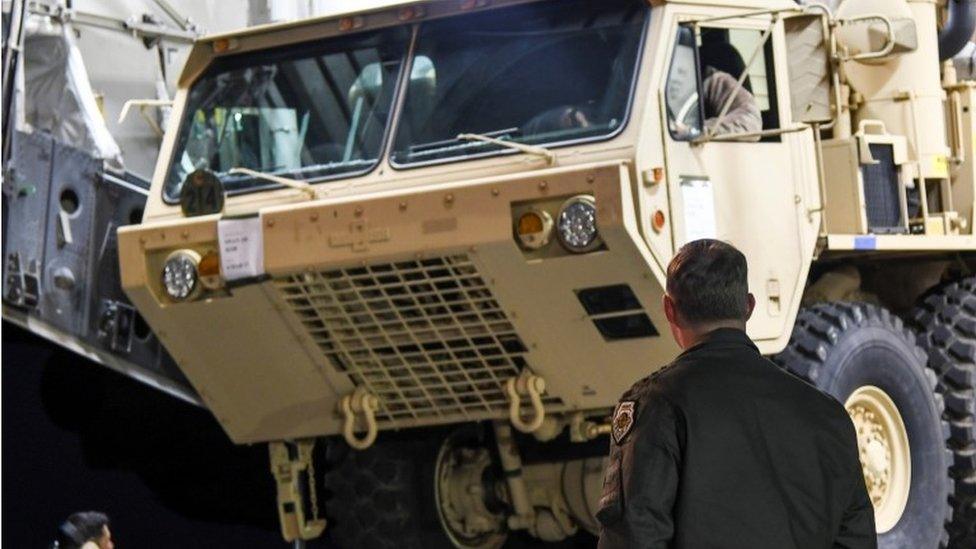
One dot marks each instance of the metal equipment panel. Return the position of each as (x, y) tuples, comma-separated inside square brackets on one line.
[(26, 191), (67, 249), (113, 323)]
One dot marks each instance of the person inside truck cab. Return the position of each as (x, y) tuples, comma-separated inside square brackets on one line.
[(720, 65), (563, 117)]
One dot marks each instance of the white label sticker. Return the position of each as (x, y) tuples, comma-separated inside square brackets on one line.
[(699, 209), (241, 248)]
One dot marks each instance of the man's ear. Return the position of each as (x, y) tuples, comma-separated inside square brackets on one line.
[(669, 312), (750, 305)]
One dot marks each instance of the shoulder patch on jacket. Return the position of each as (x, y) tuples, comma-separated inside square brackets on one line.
[(623, 420)]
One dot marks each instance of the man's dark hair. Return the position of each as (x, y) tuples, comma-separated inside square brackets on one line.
[(708, 281), (80, 528)]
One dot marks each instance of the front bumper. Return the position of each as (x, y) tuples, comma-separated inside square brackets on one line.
[(422, 297)]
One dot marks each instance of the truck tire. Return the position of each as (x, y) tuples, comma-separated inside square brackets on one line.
[(375, 498), (384, 497), (945, 322), (863, 356)]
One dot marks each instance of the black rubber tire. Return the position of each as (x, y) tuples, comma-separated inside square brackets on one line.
[(945, 321), (839, 347), (382, 497)]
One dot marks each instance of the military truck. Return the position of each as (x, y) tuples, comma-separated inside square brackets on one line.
[(433, 237)]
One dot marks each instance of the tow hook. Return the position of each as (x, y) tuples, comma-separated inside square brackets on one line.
[(531, 385), (360, 402)]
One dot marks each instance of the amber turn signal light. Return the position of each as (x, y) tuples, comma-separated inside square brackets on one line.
[(530, 223), (534, 229), (209, 271)]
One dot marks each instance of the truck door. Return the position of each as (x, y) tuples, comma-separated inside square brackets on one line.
[(733, 172)]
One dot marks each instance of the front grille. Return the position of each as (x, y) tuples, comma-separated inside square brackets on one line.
[(426, 336)]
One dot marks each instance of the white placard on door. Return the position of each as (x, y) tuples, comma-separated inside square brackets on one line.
[(699, 209)]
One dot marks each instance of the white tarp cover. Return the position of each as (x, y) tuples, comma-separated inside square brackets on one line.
[(58, 97)]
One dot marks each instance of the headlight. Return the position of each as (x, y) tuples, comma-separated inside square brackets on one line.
[(180, 274), (576, 224)]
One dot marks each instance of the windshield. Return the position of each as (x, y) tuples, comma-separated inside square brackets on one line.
[(544, 73), (311, 112), (541, 73)]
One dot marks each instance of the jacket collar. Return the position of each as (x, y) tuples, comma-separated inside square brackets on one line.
[(721, 337)]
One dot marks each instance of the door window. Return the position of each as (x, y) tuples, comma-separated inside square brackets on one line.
[(681, 92), (718, 105)]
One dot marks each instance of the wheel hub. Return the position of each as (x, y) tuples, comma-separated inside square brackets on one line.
[(885, 455), (461, 498)]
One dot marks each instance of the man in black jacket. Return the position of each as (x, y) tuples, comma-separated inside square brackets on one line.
[(721, 448)]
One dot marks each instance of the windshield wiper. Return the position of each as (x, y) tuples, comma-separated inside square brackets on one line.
[(534, 150), (297, 184)]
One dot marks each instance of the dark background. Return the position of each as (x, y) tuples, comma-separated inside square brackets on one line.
[(78, 436)]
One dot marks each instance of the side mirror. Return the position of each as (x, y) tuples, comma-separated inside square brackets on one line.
[(808, 56)]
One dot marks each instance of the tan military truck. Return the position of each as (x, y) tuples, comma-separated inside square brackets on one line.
[(433, 236)]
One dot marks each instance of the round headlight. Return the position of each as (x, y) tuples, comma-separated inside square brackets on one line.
[(180, 274), (576, 224)]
